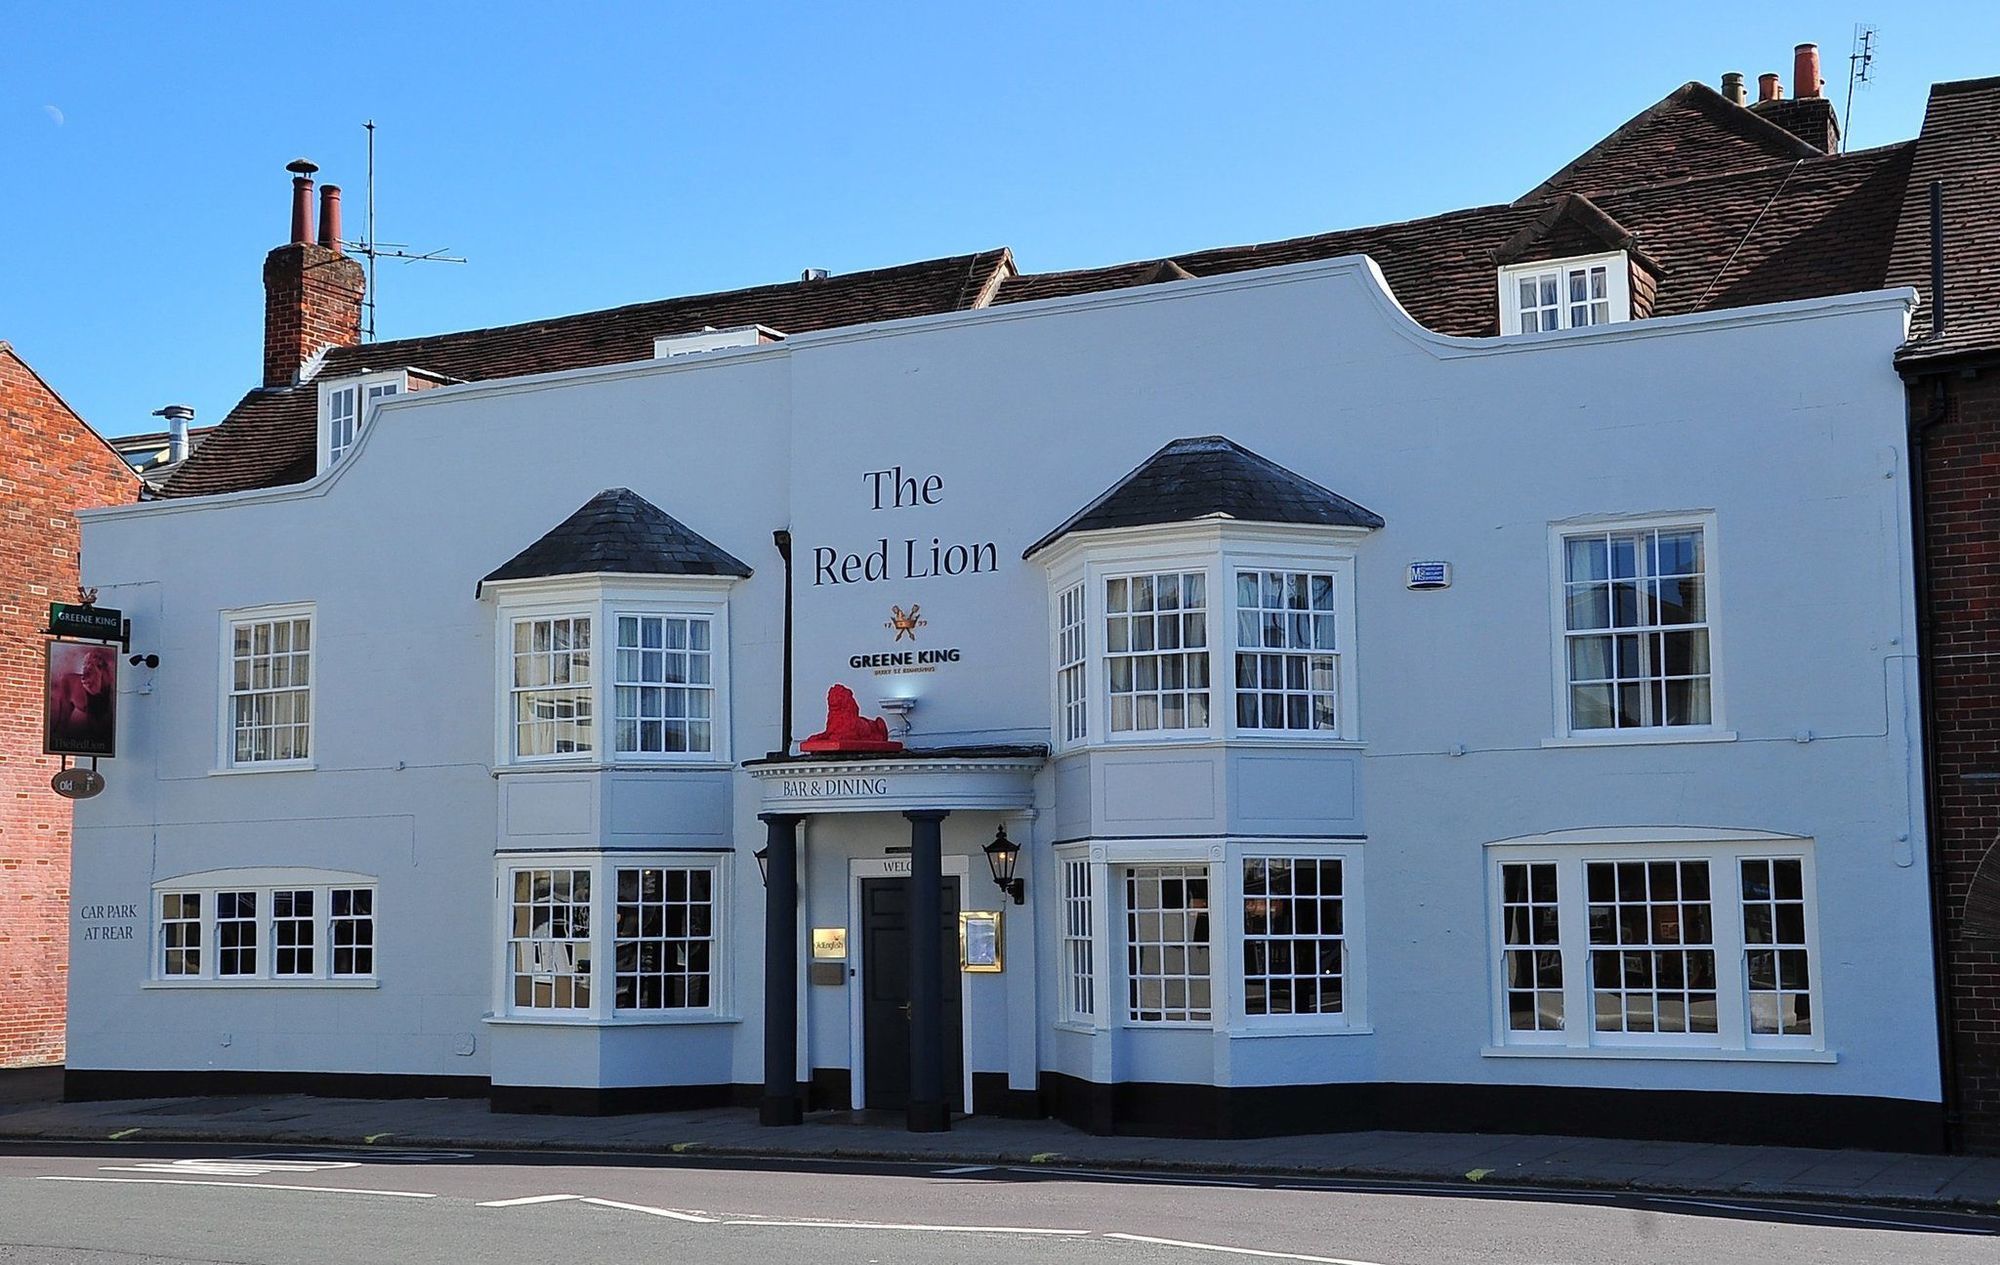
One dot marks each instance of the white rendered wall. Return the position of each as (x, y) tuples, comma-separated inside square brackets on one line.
[(1785, 423)]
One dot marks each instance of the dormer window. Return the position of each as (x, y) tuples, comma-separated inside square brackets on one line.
[(1565, 294), (346, 405)]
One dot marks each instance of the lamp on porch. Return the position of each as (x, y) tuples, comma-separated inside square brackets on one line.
[(1002, 855), (763, 856)]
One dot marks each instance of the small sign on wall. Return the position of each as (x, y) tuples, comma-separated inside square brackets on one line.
[(979, 940), (1430, 575), (829, 944)]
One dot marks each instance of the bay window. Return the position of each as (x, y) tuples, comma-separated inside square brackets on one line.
[(626, 672), (1245, 936), (597, 937), (1152, 654)]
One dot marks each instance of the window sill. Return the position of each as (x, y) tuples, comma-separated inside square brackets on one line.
[(1693, 1053), (613, 1021), (599, 766), (1258, 1031), (268, 766), (1077, 1026), (1640, 738), (1301, 739), (172, 984)]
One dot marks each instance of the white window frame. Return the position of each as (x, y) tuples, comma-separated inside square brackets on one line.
[(1218, 552), (705, 690), (226, 761), (263, 883), (366, 391), (1224, 858), (603, 867), (1571, 852), (602, 599), (1617, 266), (591, 729), (1717, 729), (1080, 897)]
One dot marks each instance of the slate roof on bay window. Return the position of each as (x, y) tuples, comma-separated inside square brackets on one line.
[(1211, 477), (619, 532)]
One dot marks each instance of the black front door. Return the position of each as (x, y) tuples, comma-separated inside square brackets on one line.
[(885, 1007)]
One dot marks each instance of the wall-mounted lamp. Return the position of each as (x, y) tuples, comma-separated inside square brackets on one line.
[(898, 711), (763, 856), (1002, 855)]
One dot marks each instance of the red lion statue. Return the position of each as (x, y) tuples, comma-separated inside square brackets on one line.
[(847, 729)]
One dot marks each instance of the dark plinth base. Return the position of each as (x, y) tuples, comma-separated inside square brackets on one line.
[(780, 1110), (929, 1117)]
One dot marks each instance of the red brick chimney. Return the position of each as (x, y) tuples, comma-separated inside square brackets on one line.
[(312, 292)]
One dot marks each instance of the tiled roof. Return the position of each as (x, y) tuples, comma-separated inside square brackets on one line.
[(1800, 228), (1693, 131), (1725, 205), (269, 439), (1208, 477), (619, 532), (1960, 146), (1058, 285)]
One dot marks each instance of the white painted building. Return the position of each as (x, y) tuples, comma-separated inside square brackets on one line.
[(1610, 822)]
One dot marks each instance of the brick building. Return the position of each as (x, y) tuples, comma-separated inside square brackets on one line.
[(1952, 368), (51, 463)]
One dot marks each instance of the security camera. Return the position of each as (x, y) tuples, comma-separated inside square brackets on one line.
[(150, 660)]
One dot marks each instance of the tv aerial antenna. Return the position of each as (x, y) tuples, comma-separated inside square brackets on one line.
[(1860, 70), (374, 250)]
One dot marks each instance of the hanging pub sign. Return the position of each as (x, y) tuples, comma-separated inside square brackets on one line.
[(100, 623), (80, 703), (77, 782)]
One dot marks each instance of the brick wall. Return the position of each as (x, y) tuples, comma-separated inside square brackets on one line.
[(50, 463), (312, 299), (1962, 512)]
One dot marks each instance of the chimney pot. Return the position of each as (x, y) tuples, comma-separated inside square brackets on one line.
[(329, 217), (1769, 88), (1732, 87), (1805, 71), (302, 190)]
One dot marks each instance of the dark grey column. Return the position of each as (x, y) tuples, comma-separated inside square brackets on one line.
[(781, 973), (930, 1110)]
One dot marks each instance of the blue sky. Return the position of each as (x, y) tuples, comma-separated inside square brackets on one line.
[(584, 155)]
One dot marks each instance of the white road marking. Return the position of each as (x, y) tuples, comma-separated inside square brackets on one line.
[(182, 1181), (1799, 1211), (671, 1213), (778, 1223), (527, 1199), (695, 1217), (1238, 1251), (969, 1168), (225, 1167)]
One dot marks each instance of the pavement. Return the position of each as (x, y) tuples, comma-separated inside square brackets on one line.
[(1965, 1183)]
